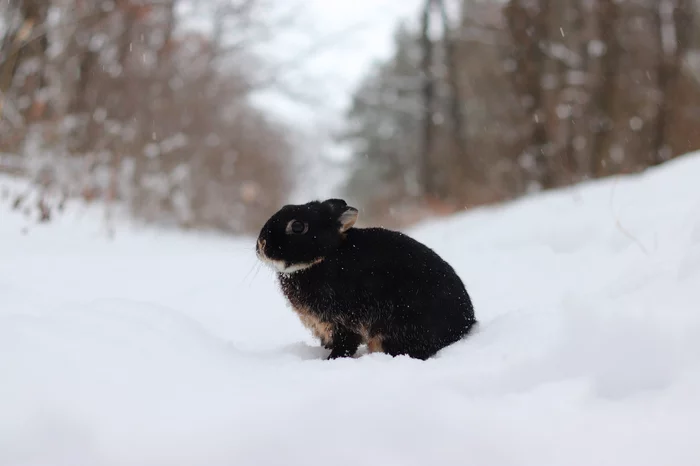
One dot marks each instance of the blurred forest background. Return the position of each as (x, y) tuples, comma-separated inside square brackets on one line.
[(481, 102)]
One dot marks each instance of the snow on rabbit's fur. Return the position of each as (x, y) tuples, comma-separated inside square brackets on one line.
[(170, 349)]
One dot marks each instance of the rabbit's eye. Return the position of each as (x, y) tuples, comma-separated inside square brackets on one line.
[(297, 227)]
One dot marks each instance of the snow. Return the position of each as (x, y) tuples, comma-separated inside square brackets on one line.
[(160, 348)]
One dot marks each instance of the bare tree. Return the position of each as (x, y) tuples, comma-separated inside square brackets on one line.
[(459, 125), (427, 171), (607, 47), (22, 55), (528, 29), (674, 23)]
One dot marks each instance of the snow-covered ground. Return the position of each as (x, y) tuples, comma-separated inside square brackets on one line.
[(172, 349)]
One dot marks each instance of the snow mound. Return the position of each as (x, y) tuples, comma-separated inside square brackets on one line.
[(170, 349)]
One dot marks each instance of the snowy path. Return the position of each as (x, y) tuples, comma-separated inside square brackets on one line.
[(179, 350)]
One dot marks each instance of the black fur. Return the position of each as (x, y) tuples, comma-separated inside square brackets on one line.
[(366, 283)]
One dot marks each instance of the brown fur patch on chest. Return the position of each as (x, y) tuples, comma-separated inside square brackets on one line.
[(374, 344), (373, 341), (321, 330)]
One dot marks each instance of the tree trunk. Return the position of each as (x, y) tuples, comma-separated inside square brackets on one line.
[(674, 20), (427, 171), (459, 125), (529, 32), (606, 88), (22, 45)]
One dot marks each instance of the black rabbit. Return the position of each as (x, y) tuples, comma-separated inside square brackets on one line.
[(364, 285)]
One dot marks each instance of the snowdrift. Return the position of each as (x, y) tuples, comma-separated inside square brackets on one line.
[(167, 349)]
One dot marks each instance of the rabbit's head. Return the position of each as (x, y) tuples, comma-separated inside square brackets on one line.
[(300, 236)]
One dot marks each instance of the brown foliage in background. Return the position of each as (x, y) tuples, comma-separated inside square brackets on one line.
[(521, 96), (112, 99)]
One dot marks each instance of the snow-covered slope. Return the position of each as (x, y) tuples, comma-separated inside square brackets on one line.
[(165, 349)]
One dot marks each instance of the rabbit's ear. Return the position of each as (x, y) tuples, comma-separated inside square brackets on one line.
[(346, 215), (348, 218), (336, 205)]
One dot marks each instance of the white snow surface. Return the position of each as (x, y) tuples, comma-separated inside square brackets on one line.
[(175, 349)]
